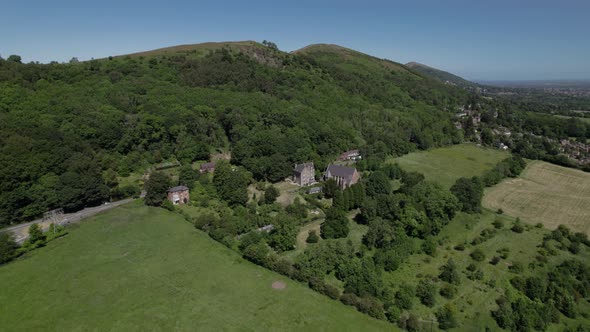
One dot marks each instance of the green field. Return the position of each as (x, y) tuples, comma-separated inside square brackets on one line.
[(137, 269), (446, 165), (476, 299), (545, 193)]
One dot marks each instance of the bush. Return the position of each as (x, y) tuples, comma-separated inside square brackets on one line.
[(36, 236), (7, 247), (426, 292), (517, 227), (270, 194), (478, 255), (516, 267), (448, 291), (404, 297), (446, 317), (166, 204), (460, 247), (429, 247), (498, 223), (495, 260), (449, 273), (312, 237)]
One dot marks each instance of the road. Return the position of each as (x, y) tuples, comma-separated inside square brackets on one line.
[(21, 231)]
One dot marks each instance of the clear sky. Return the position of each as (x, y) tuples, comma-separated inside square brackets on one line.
[(481, 40)]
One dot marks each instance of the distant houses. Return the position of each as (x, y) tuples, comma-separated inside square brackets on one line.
[(304, 174), (344, 176), (207, 167), (178, 195)]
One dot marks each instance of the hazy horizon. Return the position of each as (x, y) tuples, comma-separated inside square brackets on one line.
[(529, 40)]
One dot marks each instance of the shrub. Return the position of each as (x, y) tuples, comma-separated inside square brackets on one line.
[(478, 255), (449, 291), (460, 247), (270, 194), (404, 297), (504, 252), (446, 317), (429, 247), (36, 236), (449, 273), (7, 247), (426, 292), (312, 237), (517, 227), (498, 223), (495, 260), (166, 204), (516, 267)]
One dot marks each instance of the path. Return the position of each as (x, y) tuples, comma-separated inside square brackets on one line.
[(21, 231)]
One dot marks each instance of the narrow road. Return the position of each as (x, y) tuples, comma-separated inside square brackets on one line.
[(21, 231)]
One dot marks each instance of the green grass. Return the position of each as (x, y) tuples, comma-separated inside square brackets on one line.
[(446, 165), (587, 120), (476, 299), (136, 268)]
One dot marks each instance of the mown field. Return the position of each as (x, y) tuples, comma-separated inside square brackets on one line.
[(545, 193), (137, 269), (446, 165)]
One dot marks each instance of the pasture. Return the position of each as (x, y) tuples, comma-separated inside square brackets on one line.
[(475, 299), (545, 193), (136, 268), (446, 165)]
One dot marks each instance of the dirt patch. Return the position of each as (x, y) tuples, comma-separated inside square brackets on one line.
[(278, 285)]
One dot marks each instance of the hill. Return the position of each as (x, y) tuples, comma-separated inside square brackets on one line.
[(137, 268), (69, 132), (440, 75)]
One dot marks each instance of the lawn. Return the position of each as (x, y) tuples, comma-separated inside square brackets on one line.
[(476, 299), (545, 193), (446, 165), (143, 269)]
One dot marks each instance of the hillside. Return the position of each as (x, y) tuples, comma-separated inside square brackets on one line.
[(69, 131), (440, 75), (137, 268)]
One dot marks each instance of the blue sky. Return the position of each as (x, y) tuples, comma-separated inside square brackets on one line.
[(481, 40)]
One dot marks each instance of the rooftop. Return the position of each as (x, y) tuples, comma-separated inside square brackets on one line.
[(177, 189)]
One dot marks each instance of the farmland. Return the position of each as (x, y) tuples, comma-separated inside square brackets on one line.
[(446, 165), (137, 268), (545, 193)]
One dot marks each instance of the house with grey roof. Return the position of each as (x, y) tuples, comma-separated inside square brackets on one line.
[(178, 195), (304, 174), (344, 176)]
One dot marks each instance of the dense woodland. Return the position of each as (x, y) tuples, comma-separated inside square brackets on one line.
[(67, 131)]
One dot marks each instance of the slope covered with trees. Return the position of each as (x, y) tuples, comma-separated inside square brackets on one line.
[(68, 131)]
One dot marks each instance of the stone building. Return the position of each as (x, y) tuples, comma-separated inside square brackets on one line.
[(178, 195), (304, 174), (344, 176)]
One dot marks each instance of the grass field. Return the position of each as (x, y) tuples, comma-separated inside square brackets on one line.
[(545, 193), (476, 298), (446, 165), (144, 269)]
